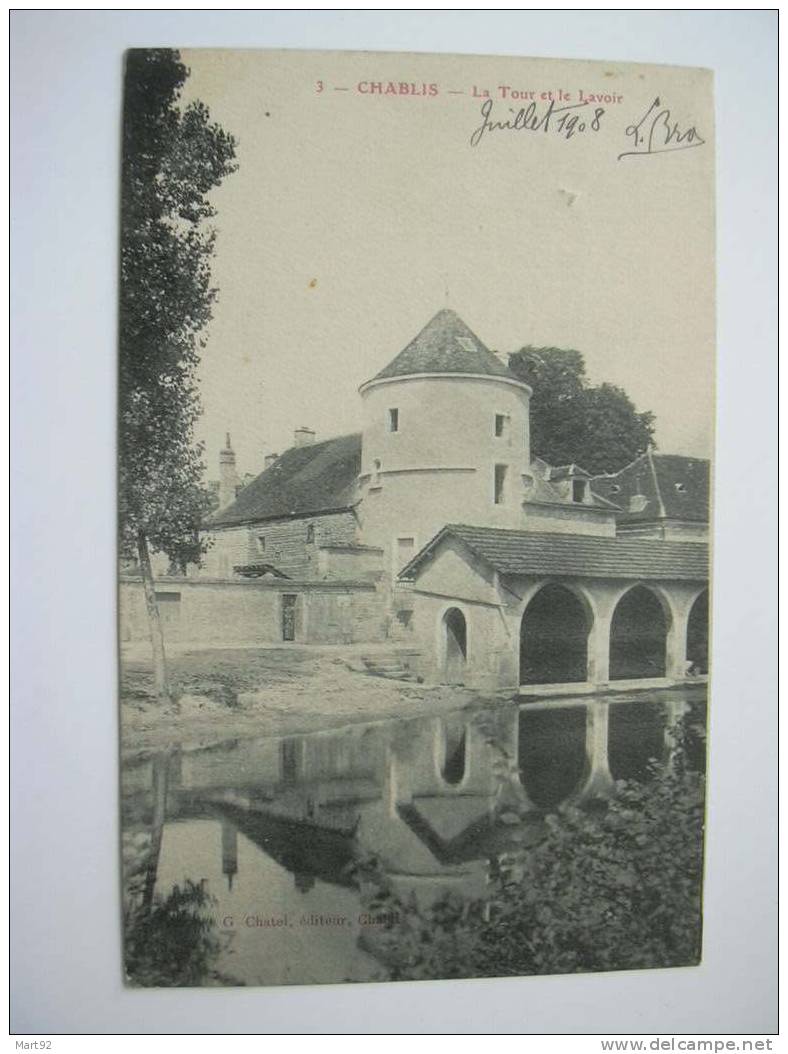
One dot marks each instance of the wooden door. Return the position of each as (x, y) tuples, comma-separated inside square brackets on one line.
[(288, 615)]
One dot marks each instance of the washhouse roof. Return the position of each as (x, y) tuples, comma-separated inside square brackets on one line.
[(572, 555)]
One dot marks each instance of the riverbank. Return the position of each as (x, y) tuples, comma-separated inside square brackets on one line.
[(230, 693)]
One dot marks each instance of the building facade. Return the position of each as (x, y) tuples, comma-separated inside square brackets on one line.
[(488, 566)]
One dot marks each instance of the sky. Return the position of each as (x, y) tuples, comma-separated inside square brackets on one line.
[(354, 217)]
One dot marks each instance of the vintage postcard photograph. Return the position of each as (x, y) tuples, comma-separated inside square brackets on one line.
[(416, 417)]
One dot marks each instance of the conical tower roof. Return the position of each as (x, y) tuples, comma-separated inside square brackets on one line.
[(446, 345)]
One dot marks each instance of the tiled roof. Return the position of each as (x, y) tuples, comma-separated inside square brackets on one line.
[(530, 553), (304, 480), (659, 486), (446, 345)]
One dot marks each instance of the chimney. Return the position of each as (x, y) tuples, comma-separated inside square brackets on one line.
[(228, 477), (269, 460), (303, 437)]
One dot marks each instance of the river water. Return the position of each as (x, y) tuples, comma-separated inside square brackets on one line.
[(306, 859)]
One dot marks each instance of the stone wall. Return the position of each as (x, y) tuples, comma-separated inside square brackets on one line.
[(291, 545), (569, 519), (667, 530), (349, 561), (438, 467), (211, 613)]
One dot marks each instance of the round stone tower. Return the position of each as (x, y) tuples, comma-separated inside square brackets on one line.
[(445, 440)]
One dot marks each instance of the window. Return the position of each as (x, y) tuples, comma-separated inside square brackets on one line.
[(500, 484), (394, 420), (310, 533), (578, 490), (261, 543), (500, 425), (406, 550), (375, 481), (169, 607)]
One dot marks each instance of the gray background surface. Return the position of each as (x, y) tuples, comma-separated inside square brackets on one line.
[(65, 96)]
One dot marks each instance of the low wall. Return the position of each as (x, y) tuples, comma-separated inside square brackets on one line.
[(211, 613)]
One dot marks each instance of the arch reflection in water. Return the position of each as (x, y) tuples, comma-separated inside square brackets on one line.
[(552, 753), (277, 827), (455, 735), (636, 736)]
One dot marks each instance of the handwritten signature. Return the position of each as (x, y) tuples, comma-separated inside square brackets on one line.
[(657, 133), (559, 119)]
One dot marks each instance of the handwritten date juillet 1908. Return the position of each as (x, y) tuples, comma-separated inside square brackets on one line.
[(656, 132)]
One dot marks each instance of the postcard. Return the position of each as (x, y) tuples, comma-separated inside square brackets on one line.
[(416, 407)]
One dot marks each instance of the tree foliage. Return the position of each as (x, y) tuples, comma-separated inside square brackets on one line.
[(175, 944), (597, 428), (173, 156)]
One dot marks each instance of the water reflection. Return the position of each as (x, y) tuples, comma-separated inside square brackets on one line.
[(296, 860)]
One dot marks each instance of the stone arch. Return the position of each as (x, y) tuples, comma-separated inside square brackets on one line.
[(454, 645), (639, 635), (698, 634), (554, 636)]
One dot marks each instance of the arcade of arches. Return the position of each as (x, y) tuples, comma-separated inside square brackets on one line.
[(644, 637)]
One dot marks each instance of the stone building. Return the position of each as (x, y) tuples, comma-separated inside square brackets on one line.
[(476, 559)]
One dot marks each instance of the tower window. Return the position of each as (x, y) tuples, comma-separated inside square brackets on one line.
[(578, 490), (261, 543), (406, 548), (394, 420), (500, 484), (310, 533), (500, 425)]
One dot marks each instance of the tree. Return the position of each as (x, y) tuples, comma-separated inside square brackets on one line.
[(173, 156), (597, 428)]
